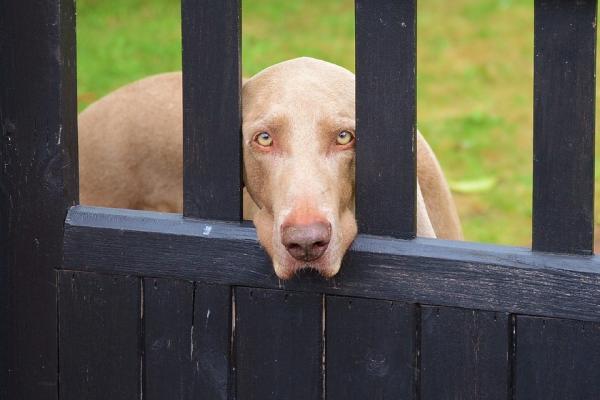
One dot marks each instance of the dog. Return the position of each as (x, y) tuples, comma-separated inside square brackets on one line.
[(298, 134)]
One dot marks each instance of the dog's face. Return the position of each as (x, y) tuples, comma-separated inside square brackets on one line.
[(298, 137)]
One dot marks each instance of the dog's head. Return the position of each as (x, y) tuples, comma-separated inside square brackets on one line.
[(298, 137)]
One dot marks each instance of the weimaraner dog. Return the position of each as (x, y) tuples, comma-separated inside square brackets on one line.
[(298, 143)]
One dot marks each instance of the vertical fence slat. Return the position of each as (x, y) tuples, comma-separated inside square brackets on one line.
[(371, 351), (386, 117), (38, 182), (564, 107), (99, 336), (168, 308), (557, 359), (278, 341), (211, 361), (211, 109), (464, 354)]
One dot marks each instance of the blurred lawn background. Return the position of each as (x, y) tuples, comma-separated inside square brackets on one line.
[(475, 81)]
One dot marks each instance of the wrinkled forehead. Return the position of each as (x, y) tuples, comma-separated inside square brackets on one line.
[(308, 86)]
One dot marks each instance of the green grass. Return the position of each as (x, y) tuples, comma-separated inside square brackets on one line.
[(475, 77), (121, 41)]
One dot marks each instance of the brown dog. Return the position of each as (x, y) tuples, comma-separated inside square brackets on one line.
[(298, 142)]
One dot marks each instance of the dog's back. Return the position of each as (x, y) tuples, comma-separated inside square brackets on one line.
[(130, 147)]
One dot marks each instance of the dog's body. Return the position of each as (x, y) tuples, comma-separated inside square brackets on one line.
[(130, 151)]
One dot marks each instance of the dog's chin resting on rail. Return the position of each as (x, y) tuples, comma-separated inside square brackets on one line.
[(298, 143)]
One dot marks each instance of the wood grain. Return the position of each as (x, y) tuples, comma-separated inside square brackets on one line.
[(38, 182), (464, 354), (557, 359), (187, 339), (564, 107), (385, 117), (100, 337), (278, 345), (371, 349), (168, 321), (212, 360), (211, 109)]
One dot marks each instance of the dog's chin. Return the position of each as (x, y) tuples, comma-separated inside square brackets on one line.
[(288, 267)]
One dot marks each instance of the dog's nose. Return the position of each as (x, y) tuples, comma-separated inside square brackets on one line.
[(306, 242)]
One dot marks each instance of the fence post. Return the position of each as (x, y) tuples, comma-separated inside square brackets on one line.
[(212, 160), (211, 109), (564, 107), (386, 117), (38, 182)]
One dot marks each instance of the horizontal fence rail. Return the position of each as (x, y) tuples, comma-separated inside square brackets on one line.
[(425, 271)]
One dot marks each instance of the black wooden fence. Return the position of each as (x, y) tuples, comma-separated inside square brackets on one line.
[(119, 304)]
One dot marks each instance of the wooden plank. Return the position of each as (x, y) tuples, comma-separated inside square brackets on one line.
[(4, 298), (371, 349), (212, 342), (385, 117), (5, 251), (168, 344), (278, 345), (211, 109), (187, 330), (464, 354), (425, 271), (557, 359), (564, 107), (38, 180), (99, 336)]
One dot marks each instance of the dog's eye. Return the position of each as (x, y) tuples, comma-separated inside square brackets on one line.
[(344, 137), (263, 139)]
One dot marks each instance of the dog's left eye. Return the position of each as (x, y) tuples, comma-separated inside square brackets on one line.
[(264, 139), (344, 137)]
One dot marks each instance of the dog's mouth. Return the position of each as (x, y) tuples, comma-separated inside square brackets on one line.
[(288, 267)]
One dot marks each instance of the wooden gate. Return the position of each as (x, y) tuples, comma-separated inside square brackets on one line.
[(119, 304)]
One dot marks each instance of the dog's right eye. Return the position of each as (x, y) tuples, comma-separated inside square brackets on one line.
[(263, 139), (344, 138)]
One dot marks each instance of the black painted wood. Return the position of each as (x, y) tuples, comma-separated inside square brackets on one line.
[(557, 359), (187, 333), (211, 109), (4, 297), (386, 117), (99, 336), (464, 354), (38, 182), (371, 349), (212, 342), (564, 107), (458, 274), (5, 252), (168, 342), (278, 345)]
